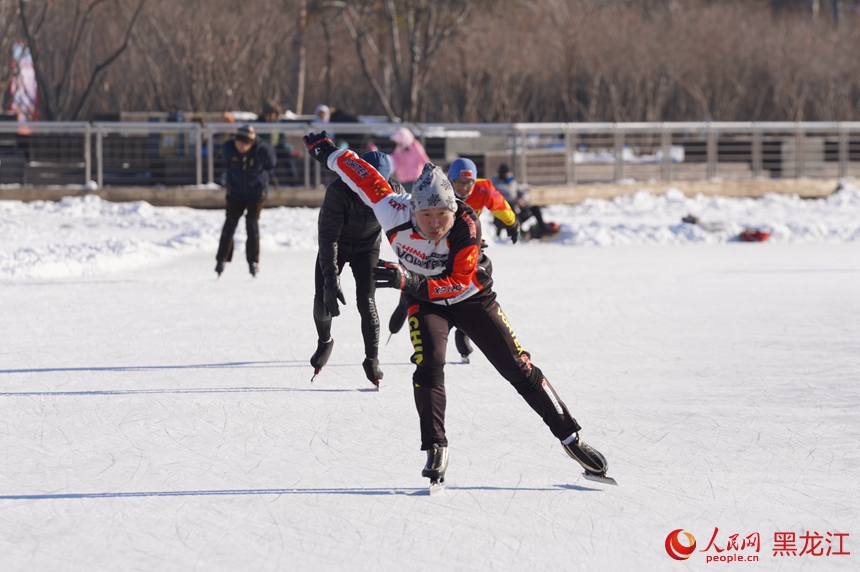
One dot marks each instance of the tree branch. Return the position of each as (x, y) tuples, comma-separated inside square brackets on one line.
[(109, 60)]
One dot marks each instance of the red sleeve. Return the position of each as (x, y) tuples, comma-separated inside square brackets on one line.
[(361, 177)]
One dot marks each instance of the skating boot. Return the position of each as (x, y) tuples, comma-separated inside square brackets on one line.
[(461, 340), (320, 357), (372, 371), (219, 268), (591, 459), (437, 462), (254, 269)]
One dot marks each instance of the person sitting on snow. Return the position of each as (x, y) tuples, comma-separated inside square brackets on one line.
[(517, 196)]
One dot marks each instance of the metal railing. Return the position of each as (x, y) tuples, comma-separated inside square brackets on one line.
[(174, 154)]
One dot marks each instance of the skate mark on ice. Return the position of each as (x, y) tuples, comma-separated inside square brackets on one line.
[(180, 391), (227, 365), (235, 364), (360, 491)]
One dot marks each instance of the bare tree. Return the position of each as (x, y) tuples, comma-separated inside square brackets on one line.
[(8, 36), (429, 60), (297, 83), (69, 45), (397, 41), (232, 57)]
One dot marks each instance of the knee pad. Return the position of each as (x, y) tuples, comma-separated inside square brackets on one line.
[(428, 376)]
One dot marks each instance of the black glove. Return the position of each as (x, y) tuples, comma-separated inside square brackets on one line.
[(514, 231), (393, 275), (320, 146), (331, 294)]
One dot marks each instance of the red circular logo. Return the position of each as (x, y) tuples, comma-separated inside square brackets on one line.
[(677, 550)]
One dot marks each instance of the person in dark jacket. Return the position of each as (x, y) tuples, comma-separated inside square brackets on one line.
[(348, 232), (249, 163)]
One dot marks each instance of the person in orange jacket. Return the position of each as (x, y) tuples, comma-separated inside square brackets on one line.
[(480, 194)]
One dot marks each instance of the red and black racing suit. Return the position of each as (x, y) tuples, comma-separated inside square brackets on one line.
[(454, 289)]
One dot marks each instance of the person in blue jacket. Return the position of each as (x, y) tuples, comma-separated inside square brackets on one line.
[(249, 163)]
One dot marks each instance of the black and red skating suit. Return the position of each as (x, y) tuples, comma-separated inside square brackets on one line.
[(454, 290), (452, 268)]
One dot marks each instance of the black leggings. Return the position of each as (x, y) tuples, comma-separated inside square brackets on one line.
[(362, 264), (481, 318), (234, 212)]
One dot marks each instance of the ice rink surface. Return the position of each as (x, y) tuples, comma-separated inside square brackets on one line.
[(158, 419)]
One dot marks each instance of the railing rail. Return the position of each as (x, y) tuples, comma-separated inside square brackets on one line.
[(171, 154)]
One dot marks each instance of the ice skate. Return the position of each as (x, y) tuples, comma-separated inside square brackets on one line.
[(437, 462), (591, 459), (372, 371), (461, 340), (219, 268), (320, 357), (254, 269)]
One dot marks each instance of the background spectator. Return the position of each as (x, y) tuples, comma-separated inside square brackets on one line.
[(517, 197), (249, 163), (285, 152), (408, 157)]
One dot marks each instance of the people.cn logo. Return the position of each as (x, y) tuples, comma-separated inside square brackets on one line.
[(677, 550)]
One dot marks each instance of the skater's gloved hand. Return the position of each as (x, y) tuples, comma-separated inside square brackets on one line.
[(393, 275), (320, 146), (331, 294), (514, 231)]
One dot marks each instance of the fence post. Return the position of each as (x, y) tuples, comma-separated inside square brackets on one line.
[(757, 159), (843, 150), (210, 155), (799, 153), (666, 146), (712, 151), (100, 164), (570, 155), (198, 151), (619, 152), (317, 174), (524, 176), (88, 155), (515, 154)]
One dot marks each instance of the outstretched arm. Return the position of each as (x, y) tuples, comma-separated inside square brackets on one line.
[(389, 208)]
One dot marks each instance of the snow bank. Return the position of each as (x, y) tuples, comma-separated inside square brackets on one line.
[(83, 236)]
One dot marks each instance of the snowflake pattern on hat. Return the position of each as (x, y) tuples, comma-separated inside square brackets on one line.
[(432, 189)]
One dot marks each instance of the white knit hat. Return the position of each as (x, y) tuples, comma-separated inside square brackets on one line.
[(432, 189)]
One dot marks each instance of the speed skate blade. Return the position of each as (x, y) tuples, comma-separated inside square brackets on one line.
[(599, 478), (437, 487)]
